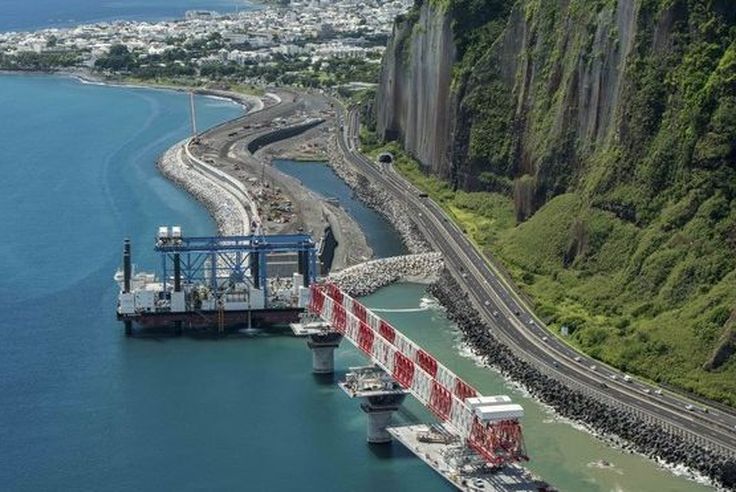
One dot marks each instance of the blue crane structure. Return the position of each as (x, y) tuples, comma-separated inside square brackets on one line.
[(214, 260)]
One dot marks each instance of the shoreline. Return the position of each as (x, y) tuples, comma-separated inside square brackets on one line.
[(467, 350), (246, 101), (221, 204), (614, 425), (372, 203)]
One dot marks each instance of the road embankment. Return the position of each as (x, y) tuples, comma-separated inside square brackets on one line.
[(379, 200)]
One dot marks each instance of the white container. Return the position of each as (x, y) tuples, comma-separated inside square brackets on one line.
[(495, 413), (127, 303), (298, 281), (484, 401), (163, 232), (178, 302), (303, 296), (176, 232), (144, 300), (256, 299)]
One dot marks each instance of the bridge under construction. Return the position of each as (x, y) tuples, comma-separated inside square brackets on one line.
[(476, 442)]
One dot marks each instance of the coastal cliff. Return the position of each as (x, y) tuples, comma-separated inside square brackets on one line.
[(415, 105), (606, 131)]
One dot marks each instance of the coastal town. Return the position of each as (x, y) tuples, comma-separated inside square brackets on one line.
[(303, 43)]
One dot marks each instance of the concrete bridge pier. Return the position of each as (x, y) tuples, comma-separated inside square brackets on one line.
[(380, 397), (379, 410), (323, 347)]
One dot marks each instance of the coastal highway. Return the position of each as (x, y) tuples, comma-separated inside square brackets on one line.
[(515, 324)]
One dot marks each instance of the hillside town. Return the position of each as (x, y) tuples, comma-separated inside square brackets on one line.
[(299, 41)]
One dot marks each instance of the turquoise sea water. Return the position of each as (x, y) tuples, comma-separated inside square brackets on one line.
[(26, 15)]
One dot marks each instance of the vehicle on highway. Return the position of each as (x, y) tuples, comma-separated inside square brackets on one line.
[(487, 303), (593, 367), (627, 378), (544, 339), (670, 408), (423, 195), (690, 407)]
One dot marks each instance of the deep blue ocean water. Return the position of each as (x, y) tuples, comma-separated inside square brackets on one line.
[(85, 408), (26, 15)]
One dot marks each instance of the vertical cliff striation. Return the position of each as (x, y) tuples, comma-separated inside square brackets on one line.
[(414, 95), (611, 127)]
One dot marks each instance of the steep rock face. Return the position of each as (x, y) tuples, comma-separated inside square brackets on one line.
[(529, 108), (611, 126), (558, 74), (413, 102)]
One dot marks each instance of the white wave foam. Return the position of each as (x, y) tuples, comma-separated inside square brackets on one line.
[(398, 310)]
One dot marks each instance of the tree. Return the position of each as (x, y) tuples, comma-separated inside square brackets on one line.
[(119, 59)]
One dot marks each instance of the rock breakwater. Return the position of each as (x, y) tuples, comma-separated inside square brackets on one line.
[(229, 215), (625, 428), (378, 199), (366, 278)]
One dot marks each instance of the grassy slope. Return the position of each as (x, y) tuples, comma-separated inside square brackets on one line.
[(625, 320)]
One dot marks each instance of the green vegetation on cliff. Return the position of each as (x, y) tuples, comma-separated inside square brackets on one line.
[(599, 141)]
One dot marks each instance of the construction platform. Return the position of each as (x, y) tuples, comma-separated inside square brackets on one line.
[(305, 328), (370, 382), (222, 282), (446, 454)]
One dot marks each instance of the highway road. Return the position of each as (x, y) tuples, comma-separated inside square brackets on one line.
[(515, 324)]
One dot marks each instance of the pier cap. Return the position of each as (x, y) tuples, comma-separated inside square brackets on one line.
[(494, 413), (483, 401)]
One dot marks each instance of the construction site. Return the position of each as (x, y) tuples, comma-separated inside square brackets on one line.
[(226, 282), (476, 442)]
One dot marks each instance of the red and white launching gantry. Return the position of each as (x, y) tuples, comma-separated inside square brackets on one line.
[(490, 428)]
